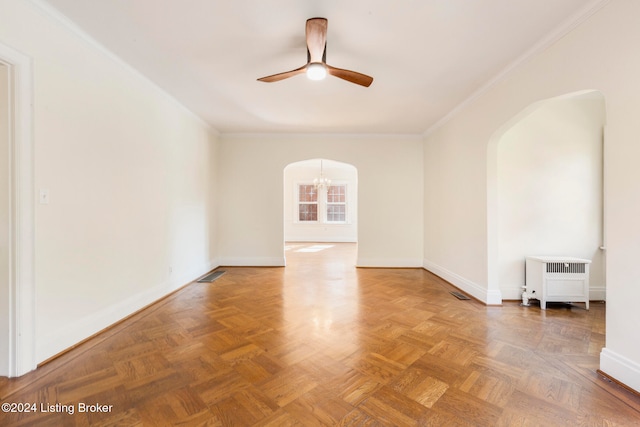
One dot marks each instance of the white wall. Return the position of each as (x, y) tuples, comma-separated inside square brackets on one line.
[(304, 172), (4, 221), (550, 189), (461, 157), (389, 195), (131, 177)]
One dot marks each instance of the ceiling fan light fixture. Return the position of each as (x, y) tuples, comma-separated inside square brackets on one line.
[(316, 71), (316, 67)]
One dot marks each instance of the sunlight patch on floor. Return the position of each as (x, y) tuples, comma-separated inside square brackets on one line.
[(306, 248), (314, 248)]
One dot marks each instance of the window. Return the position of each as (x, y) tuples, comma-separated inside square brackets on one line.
[(337, 203), (322, 205), (307, 203)]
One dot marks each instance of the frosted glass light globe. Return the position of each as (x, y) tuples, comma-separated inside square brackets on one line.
[(316, 71)]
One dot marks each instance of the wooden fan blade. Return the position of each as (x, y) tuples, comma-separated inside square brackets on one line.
[(285, 75), (350, 76), (316, 38)]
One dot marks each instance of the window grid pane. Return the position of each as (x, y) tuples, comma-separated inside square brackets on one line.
[(307, 212), (336, 203), (307, 193), (336, 194), (336, 213)]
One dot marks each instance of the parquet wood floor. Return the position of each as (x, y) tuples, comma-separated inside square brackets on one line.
[(323, 343)]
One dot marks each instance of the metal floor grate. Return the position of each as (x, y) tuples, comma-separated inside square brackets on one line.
[(211, 277), (459, 295)]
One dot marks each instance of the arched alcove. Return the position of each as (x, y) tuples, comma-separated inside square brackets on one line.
[(545, 189), (336, 219)]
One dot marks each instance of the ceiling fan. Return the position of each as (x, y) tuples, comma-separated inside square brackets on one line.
[(316, 67)]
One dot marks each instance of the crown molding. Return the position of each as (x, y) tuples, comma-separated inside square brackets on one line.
[(62, 19), (285, 135), (546, 42)]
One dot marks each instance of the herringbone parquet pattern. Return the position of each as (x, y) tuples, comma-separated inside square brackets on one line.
[(323, 343)]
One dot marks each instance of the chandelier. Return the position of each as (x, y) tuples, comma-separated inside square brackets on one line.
[(321, 182)]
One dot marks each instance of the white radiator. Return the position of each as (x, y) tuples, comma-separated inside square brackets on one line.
[(556, 279)]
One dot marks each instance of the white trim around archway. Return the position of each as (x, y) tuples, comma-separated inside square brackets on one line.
[(303, 172), (21, 284)]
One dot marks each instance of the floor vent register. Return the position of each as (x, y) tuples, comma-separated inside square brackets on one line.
[(211, 277), (459, 295)]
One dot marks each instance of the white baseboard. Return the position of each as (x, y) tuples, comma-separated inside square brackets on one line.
[(515, 293), (388, 262), (597, 293), (620, 368), (511, 292), (487, 296), (58, 341), (252, 262)]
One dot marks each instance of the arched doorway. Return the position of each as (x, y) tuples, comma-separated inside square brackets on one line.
[(320, 212), (545, 189)]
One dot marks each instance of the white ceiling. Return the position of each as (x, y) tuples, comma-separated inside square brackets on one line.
[(426, 56)]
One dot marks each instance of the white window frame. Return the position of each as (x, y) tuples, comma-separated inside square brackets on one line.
[(322, 203), (299, 202), (325, 209)]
